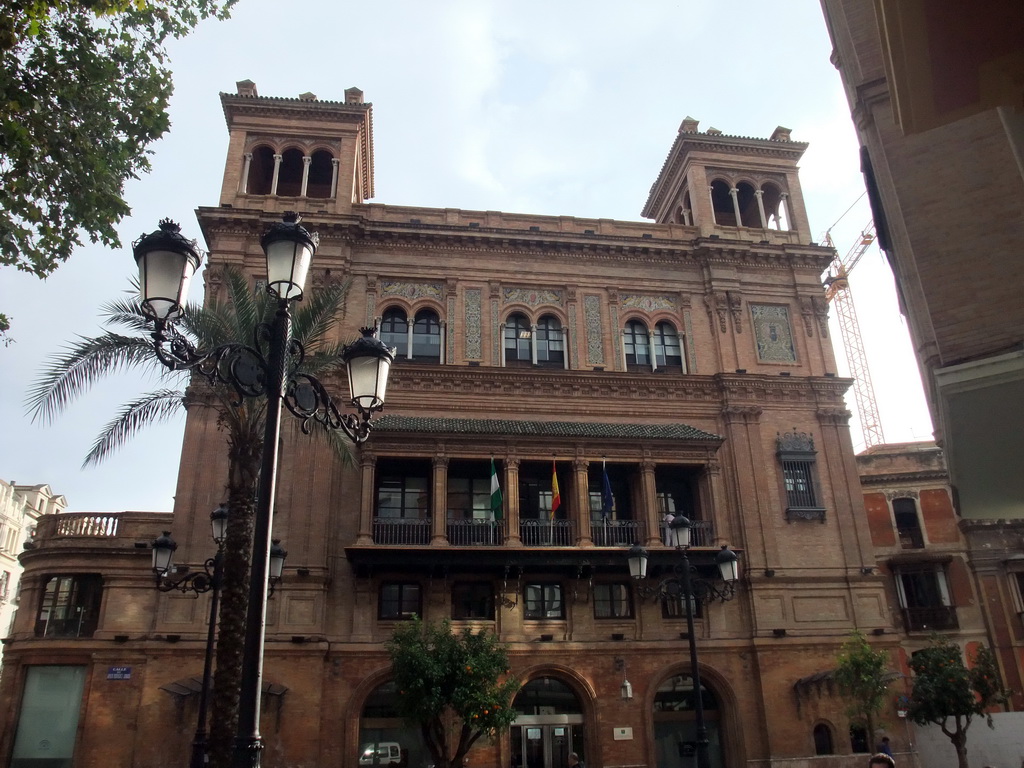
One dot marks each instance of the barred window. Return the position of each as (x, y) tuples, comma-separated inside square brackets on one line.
[(798, 458)]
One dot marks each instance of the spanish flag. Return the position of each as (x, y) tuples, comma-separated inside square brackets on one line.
[(556, 499)]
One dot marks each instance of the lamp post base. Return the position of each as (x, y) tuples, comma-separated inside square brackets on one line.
[(247, 753)]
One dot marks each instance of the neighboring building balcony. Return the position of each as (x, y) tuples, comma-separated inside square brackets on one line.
[(103, 531), (932, 619)]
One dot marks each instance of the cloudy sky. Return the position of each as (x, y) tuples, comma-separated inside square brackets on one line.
[(561, 108)]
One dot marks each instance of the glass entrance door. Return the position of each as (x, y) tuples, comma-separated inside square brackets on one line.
[(545, 746)]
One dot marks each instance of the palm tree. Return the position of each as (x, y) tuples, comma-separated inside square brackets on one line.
[(127, 344)]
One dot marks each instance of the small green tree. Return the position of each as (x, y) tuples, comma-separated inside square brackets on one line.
[(949, 694), (863, 677), (454, 686)]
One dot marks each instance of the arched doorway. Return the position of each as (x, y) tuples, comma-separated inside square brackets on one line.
[(384, 738), (549, 725), (675, 724)]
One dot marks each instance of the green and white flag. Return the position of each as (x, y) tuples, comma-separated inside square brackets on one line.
[(495, 493)]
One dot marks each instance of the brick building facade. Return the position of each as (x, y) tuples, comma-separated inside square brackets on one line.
[(686, 357)]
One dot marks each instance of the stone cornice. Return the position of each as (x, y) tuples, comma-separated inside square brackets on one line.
[(905, 478), (356, 231)]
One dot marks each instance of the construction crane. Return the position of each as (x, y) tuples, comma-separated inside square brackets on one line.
[(837, 291)]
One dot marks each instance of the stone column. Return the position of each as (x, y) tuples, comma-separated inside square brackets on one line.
[(501, 343), (367, 500), (277, 173), (334, 177), (305, 174), (410, 322), (650, 349), (581, 486), (687, 220), (533, 343), (243, 186), (711, 197), (443, 329), (735, 195), (439, 507), (512, 503), (784, 205), (649, 503), (759, 194)]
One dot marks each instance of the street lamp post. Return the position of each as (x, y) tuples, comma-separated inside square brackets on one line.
[(167, 261), (683, 584)]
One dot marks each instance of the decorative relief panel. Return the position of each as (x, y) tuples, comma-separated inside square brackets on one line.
[(573, 345), (474, 317), (648, 303), (410, 291), (496, 335), (592, 317), (773, 333), (691, 352), (908, 493), (531, 297), (449, 327)]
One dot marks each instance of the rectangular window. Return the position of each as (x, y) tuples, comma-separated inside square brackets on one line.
[(469, 498), (473, 600), (797, 456), (908, 524), (70, 606), (673, 607), (403, 497), (48, 720), (923, 592), (613, 601), (400, 601), (543, 601)]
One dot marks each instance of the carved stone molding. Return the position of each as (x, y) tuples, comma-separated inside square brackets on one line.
[(736, 308), (410, 290), (821, 310), (715, 302), (908, 493), (473, 307), (742, 413), (807, 313), (648, 303), (595, 336), (532, 297), (834, 416), (805, 514)]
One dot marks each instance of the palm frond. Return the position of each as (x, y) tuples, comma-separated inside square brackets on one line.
[(248, 308), (71, 374), (149, 409), (317, 316), (127, 313)]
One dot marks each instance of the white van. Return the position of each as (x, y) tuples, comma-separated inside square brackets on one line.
[(381, 753)]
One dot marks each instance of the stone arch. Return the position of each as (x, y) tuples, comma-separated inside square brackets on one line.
[(578, 728), (261, 170), (289, 177), (721, 203), (774, 207), (750, 214), (727, 730), (321, 173)]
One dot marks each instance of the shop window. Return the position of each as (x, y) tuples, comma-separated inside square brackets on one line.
[(798, 459), (908, 524), (400, 601), (613, 601), (823, 740), (48, 718), (70, 606), (543, 601), (923, 592), (473, 600)]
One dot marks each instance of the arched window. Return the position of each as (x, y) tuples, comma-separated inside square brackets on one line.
[(426, 337), (289, 177), (721, 203), (394, 332), (750, 214), (636, 345), (675, 723), (550, 342), (859, 739), (384, 738), (261, 171), (774, 207), (518, 338), (321, 172), (668, 352), (823, 740)]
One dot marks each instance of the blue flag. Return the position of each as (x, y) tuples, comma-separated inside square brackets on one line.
[(607, 498)]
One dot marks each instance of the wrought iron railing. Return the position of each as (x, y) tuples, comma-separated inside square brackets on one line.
[(930, 619), (547, 533), (489, 533), (401, 530), (617, 533), (702, 534)]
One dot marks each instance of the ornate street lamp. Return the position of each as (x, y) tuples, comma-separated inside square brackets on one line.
[(210, 579), (685, 585), (266, 369)]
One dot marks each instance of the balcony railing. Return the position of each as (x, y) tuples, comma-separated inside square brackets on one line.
[(547, 533), (488, 533), (930, 619), (112, 530), (401, 530), (702, 534), (617, 533)]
